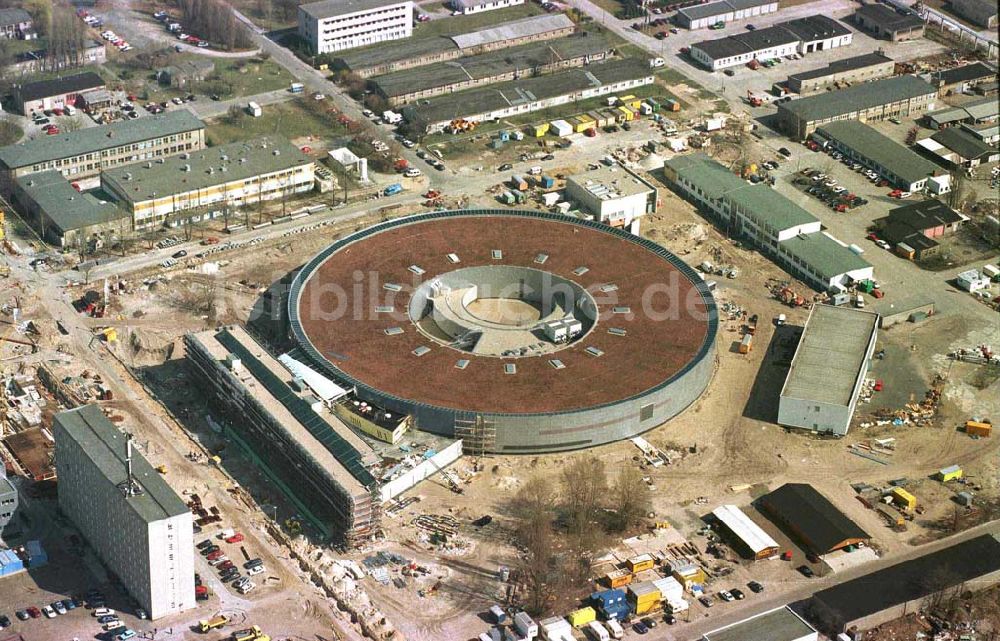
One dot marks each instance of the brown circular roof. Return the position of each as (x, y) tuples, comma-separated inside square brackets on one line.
[(339, 310)]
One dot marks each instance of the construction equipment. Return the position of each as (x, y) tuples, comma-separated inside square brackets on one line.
[(162, 469), (214, 623), (253, 633)]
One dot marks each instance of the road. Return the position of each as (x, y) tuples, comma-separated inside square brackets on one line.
[(724, 614)]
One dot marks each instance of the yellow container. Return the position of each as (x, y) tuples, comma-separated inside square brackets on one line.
[(950, 473), (975, 428), (582, 617), (618, 578), (640, 563), (626, 113), (540, 130), (903, 499)]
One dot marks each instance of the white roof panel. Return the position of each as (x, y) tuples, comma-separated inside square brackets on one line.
[(740, 524)]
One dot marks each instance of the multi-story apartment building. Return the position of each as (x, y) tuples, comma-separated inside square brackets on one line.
[(240, 173), (85, 153), (336, 25), (311, 455), (896, 97), (138, 526), (772, 224)]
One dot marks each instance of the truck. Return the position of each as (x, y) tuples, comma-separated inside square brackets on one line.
[(392, 189), (253, 633), (615, 629), (216, 622), (254, 109), (297, 87)]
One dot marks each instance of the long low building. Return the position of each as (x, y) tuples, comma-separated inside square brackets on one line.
[(529, 94), (958, 146), (417, 52), (903, 168), (774, 225), (828, 370), (896, 97), (492, 67), (863, 68), (705, 15), (749, 536), (237, 174), (802, 35), (62, 215), (56, 93), (316, 460), (86, 152), (888, 23), (974, 112), (810, 519), (886, 595), (779, 624)]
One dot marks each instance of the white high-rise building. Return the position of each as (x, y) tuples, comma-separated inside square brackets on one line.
[(336, 25), (138, 526)]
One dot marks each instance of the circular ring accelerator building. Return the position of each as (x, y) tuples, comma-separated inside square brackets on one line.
[(531, 331)]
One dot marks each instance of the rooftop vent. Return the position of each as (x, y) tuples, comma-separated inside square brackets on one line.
[(509, 368), (622, 309), (384, 309), (557, 364), (453, 258), (420, 351), (593, 351), (416, 269), (392, 287), (497, 254), (609, 287), (580, 271), (616, 331), (393, 331), (462, 363), (541, 258)]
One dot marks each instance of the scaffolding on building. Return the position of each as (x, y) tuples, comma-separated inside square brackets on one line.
[(478, 435)]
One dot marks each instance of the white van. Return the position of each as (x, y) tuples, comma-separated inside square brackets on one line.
[(615, 628), (859, 301), (597, 632), (102, 612)]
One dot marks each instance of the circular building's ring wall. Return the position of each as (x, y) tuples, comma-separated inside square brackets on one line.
[(646, 355)]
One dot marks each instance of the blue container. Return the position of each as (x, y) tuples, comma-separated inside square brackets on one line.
[(610, 604)]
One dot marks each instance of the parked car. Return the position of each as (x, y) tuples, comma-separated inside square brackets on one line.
[(49, 612), (236, 538), (639, 627), (738, 594), (784, 152), (209, 550), (706, 601), (204, 544), (726, 596), (806, 571), (4, 621), (755, 587), (58, 607), (22, 615)]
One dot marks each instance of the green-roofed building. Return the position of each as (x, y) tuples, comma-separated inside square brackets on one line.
[(896, 97), (139, 527), (63, 215), (773, 224), (900, 166), (239, 173), (86, 152)]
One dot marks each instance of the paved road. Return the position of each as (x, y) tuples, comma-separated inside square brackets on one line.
[(206, 108), (727, 613)]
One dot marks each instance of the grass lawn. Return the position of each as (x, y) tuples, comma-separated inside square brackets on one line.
[(464, 24), (294, 119), (232, 78)]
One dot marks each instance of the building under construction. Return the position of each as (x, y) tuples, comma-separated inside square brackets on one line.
[(286, 424)]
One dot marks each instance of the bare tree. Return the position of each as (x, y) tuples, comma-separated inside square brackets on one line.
[(584, 485), (631, 498)]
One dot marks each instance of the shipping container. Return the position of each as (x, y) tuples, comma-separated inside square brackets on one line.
[(903, 499), (746, 345), (671, 105), (904, 250), (540, 130), (950, 473), (525, 625), (976, 428), (517, 181), (644, 597), (581, 617), (499, 616), (640, 563), (618, 578), (548, 182), (992, 272)]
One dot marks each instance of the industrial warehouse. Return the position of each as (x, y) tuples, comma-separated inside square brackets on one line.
[(514, 364), (529, 94), (492, 67), (418, 52), (748, 535), (802, 36), (775, 226), (701, 16), (864, 68), (810, 519), (828, 369), (896, 97), (899, 589)]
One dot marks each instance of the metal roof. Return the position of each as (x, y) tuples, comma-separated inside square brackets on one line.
[(515, 29), (204, 168), (926, 214), (67, 208), (965, 73), (13, 16), (94, 139), (722, 7), (857, 98), (333, 8), (842, 66), (824, 255), (819, 27), (747, 42), (104, 444), (779, 624), (817, 522), (524, 59), (768, 205), (963, 143), (830, 357), (911, 581), (870, 144), (706, 174), (752, 535), (887, 18)]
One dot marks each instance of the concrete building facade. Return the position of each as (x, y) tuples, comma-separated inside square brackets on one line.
[(54, 94), (237, 174), (896, 97), (85, 153), (774, 225), (310, 454), (8, 500), (702, 16), (139, 527), (468, 7), (864, 68), (336, 25), (616, 196), (829, 367)]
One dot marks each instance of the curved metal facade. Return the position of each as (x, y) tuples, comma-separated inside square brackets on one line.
[(536, 432)]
